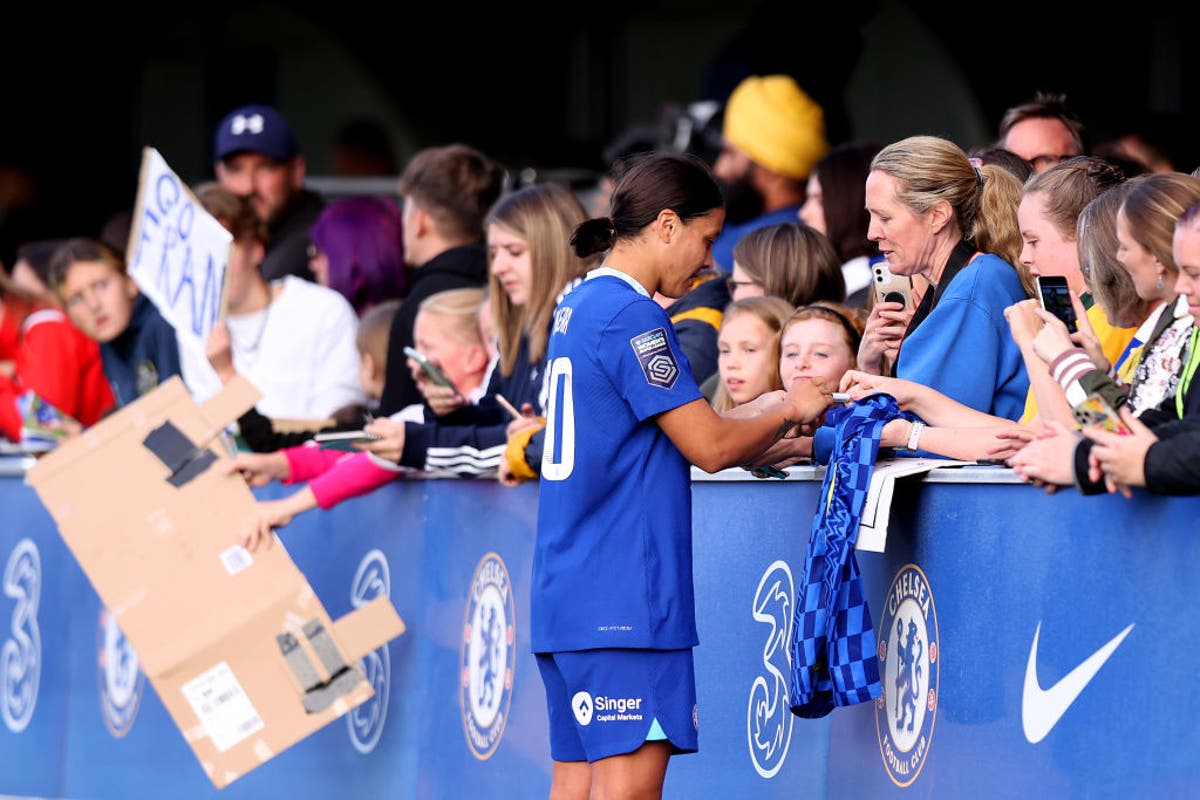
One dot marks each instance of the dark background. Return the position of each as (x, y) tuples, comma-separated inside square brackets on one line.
[(545, 87)]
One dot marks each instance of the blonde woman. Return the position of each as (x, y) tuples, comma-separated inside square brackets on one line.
[(936, 215), (748, 350)]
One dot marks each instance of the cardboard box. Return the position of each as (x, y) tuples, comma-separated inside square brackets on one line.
[(237, 645)]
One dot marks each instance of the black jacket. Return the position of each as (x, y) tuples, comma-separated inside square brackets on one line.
[(697, 320), (1172, 464), (288, 237), (457, 268)]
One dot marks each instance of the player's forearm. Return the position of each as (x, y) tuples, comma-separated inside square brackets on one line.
[(742, 436)]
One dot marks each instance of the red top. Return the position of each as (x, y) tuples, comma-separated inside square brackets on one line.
[(54, 359)]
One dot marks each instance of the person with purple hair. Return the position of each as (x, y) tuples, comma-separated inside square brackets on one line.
[(357, 250)]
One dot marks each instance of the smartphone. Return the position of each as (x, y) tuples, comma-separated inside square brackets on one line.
[(343, 440), (1096, 412), (1056, 298), (430, 369), (891, 288)]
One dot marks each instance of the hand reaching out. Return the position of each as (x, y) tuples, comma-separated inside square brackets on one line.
[(1010, 441), (1049, 459), (259, 469), (271, 515), (861, 384)]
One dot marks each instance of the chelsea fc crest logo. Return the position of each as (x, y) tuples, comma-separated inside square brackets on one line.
[(488, 656), (120, 676), (908, 655), (365, 723)]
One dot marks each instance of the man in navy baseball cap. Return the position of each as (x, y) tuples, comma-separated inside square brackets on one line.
[(258, 129), (256, 156)]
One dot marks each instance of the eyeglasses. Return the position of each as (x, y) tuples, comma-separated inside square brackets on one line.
[(732, 285)]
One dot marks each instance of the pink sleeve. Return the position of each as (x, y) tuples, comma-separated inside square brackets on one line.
[(306, 462), (350, 477)]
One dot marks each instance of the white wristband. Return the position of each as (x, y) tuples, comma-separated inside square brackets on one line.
[(914, 436)]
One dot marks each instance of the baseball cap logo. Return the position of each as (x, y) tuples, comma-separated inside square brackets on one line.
[(582, 706), (246, 124)]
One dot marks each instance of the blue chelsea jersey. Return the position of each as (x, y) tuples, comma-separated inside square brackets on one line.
[(612, 565)]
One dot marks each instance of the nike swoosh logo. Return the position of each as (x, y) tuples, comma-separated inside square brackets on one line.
[(1041, 709)]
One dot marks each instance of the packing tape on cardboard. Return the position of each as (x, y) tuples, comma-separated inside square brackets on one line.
[(321, 698), (180, 455), (323, 646), (318, 695), (297, 661)]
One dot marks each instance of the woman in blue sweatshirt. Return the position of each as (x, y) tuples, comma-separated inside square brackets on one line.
[(935, 214)]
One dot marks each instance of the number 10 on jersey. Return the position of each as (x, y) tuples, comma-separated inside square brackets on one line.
[(558, 457)]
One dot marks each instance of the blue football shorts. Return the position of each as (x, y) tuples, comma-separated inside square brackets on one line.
[(605, 703)]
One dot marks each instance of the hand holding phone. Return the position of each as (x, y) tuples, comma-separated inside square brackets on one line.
[(1096, 412), (891, 288), (1055, 297), (431, 370), (343, 440)]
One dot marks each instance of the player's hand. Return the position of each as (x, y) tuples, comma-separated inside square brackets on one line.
[(807, 401), (784, 453)]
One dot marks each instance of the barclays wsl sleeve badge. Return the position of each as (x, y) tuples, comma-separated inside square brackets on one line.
[(655, 358), (908, 662)]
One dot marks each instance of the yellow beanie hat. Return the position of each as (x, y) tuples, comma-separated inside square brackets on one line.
[(773, 121)]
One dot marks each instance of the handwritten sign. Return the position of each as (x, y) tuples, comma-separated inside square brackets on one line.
[(179, 252)]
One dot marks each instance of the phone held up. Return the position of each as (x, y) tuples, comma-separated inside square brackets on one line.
[(430, 369), (344, 440), (891, 288), (1056, 298), (1096, 412)]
